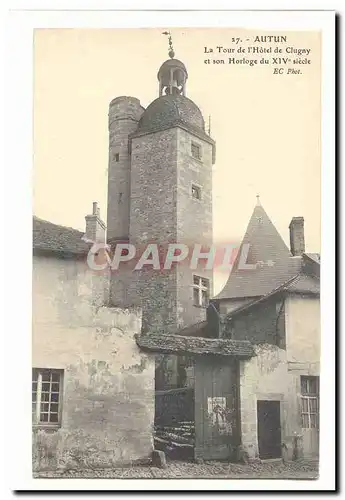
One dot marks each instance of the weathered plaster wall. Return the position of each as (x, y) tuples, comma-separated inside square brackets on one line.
[(276, 373), (266, 377), (303, 335), (108, 384)]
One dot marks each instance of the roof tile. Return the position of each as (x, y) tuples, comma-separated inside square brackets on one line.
[(178, 344), (267, 250), (60, 240)]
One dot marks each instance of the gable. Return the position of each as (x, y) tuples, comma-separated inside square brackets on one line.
[(268, 252)]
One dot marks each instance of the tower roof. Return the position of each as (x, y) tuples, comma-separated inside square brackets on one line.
[(267, 251), (167, 111)]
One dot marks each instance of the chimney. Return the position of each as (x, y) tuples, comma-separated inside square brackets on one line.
[(297, 245), (95, 227)]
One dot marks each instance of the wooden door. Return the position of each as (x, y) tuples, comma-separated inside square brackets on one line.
[(269, 429), (216, 407)]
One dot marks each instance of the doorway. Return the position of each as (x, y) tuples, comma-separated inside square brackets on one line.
[(269, 430)]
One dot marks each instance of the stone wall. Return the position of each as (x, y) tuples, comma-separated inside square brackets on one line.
[(124, 115), (194, 221), (264, 323), (226, 306), (153, 220), (163, 211), (108, 384)]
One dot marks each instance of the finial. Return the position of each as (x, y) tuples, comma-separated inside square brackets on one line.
[(258, 204), (171, 48)]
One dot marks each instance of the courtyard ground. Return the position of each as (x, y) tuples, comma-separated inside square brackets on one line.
[(301, 469)]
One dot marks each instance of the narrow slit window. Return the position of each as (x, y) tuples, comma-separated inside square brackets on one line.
[(117, 157), (196, 150), (196, 192)]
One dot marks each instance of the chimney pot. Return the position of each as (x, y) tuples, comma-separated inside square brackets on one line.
[(94, 208), (297, 244)]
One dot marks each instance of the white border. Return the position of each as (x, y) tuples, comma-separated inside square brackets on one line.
[(18, 163)]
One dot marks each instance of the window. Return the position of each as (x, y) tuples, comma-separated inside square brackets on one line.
[(196, 192), (196, 150), (46, 396), (117, 157), (201, 291), (310, 402)]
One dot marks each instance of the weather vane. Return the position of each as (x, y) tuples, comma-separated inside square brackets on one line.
[(171, 48)]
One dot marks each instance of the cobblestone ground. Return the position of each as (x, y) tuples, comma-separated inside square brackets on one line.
[(183, 470)]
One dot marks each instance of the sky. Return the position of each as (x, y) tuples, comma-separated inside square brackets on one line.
[(266, 126)]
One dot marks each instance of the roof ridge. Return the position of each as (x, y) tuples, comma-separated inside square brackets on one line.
[(283, 287)]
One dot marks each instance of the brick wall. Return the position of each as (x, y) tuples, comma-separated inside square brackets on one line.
[(108, 388)]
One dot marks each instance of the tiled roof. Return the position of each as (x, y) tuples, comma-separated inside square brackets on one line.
[(168, 109), (274, 263), (303, 284), (49, 238), (300, 284), (178, 344)]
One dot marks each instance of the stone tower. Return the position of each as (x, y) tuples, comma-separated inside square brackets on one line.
[(160, 191), (124, 115)]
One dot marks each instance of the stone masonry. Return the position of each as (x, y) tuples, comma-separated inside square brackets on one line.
[(162, 211), (152, 170)]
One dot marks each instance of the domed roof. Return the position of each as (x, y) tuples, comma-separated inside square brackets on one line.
[(168, 110), (171, 63)]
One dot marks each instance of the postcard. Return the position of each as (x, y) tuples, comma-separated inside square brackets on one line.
[(176, 222)]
